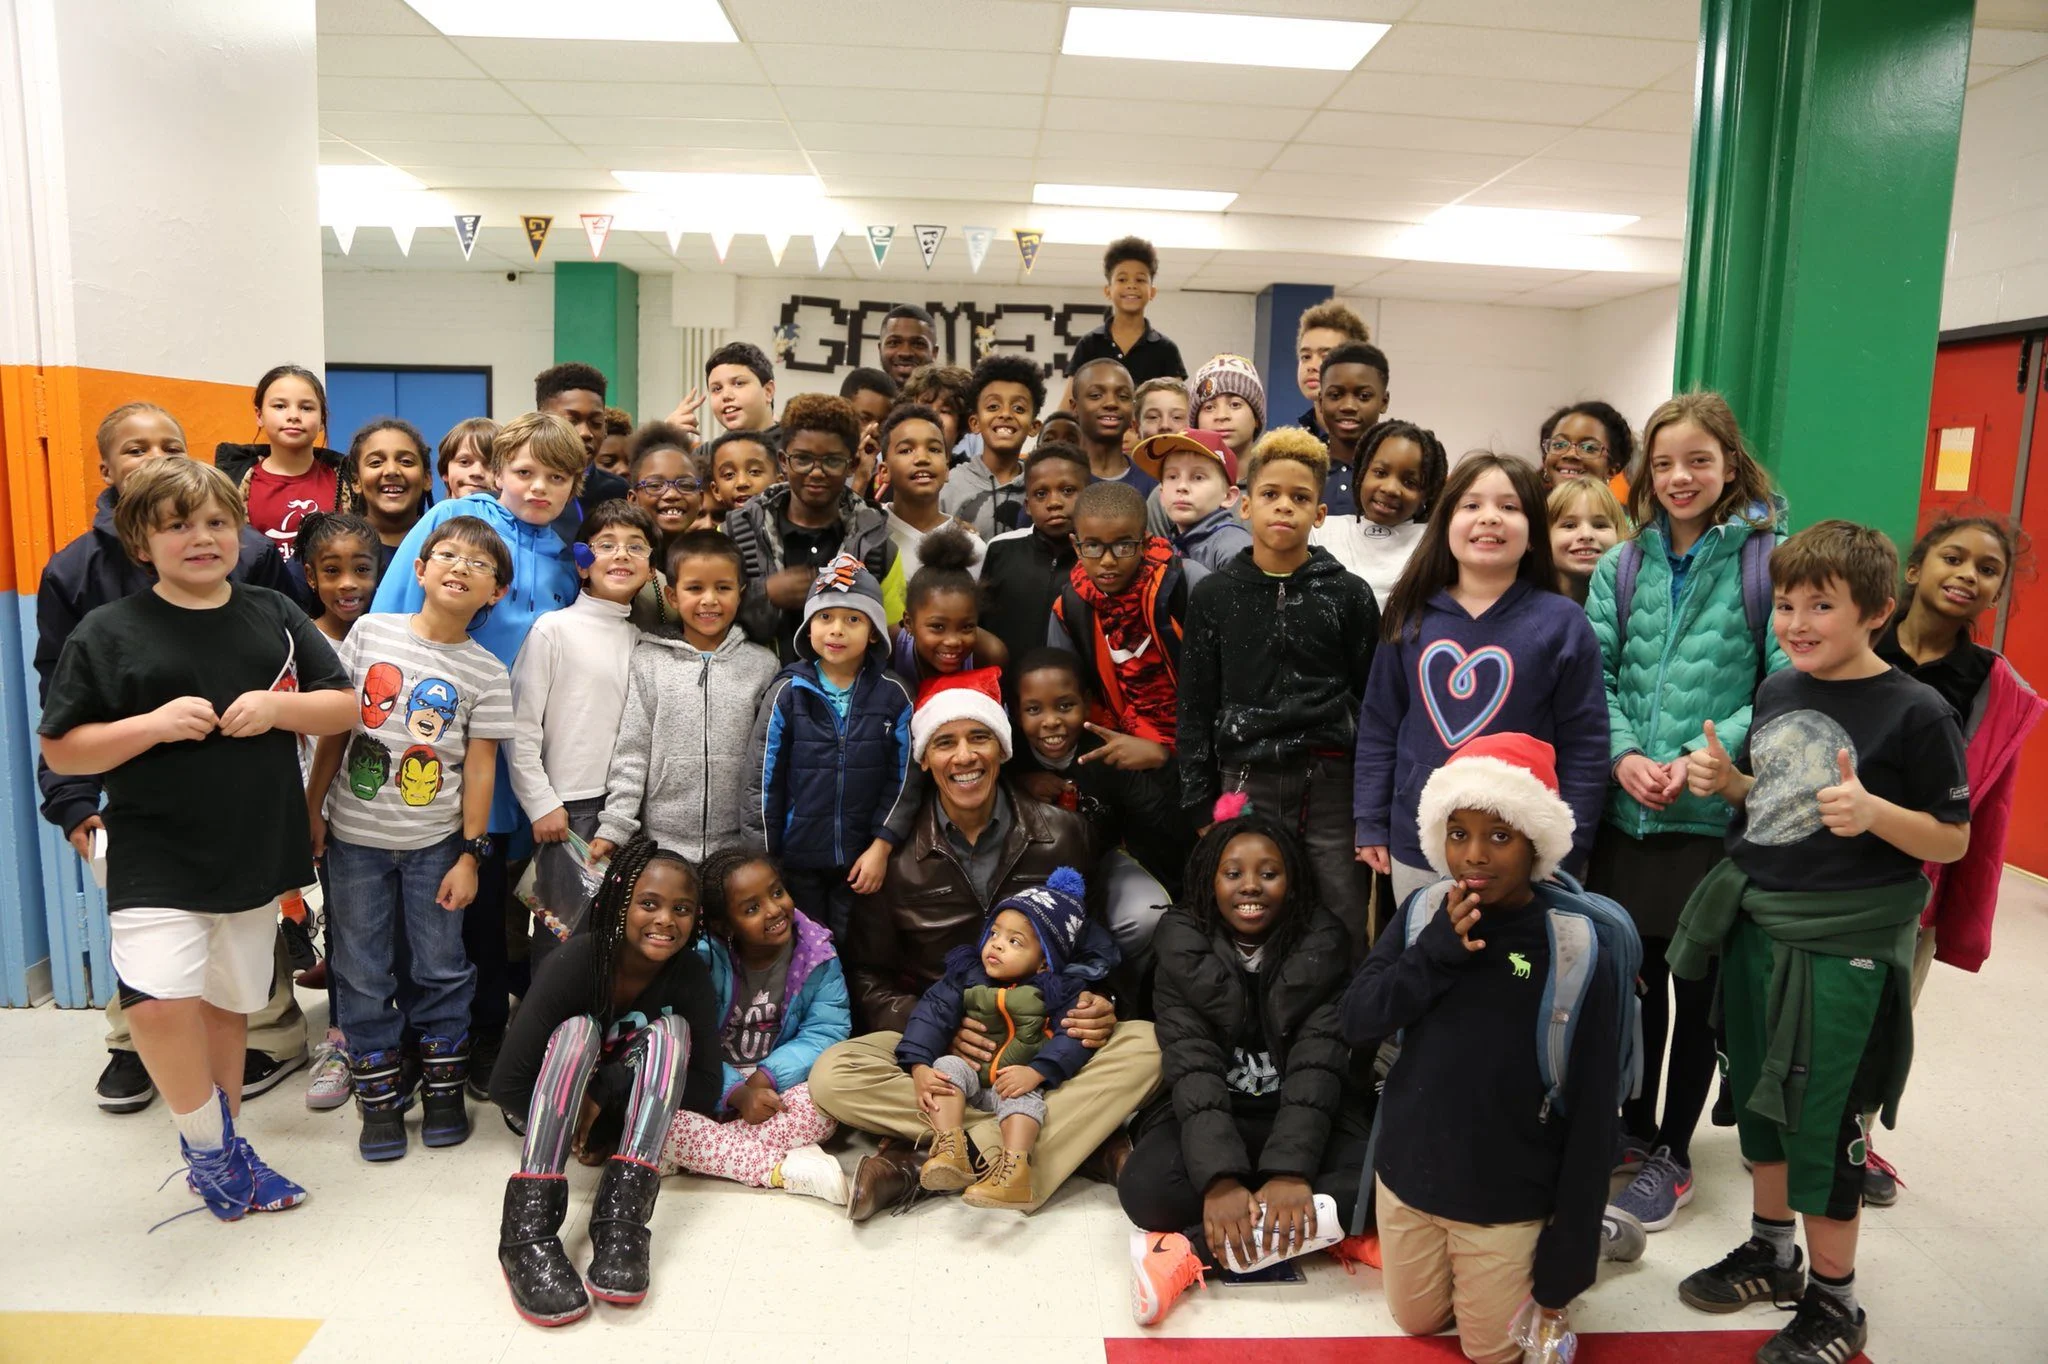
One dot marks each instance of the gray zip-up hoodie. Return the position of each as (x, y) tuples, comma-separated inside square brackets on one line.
[(679, 771)]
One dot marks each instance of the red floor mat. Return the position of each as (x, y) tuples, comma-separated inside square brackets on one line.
[(1627, 1347)]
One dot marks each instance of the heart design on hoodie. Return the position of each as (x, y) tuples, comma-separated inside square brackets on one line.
[(1461, 684)]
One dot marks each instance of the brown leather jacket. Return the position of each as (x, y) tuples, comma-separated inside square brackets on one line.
[(896, 946)]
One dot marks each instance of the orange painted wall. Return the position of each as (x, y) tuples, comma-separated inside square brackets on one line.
[(46, 501)]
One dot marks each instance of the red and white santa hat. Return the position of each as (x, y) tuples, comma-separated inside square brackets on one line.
[(976, 694), (1510, 775)]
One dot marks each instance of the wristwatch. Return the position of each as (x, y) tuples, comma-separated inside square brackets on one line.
[(479, 848)]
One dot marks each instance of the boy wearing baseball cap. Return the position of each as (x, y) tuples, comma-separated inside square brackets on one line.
[(1197, 474)]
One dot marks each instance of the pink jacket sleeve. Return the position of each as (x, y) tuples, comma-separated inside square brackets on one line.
[(1966, 893)]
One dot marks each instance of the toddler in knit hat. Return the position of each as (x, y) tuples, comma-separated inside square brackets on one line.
[(1017, 983)]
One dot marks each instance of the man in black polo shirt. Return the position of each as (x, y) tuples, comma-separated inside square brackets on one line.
[(1130, 265)]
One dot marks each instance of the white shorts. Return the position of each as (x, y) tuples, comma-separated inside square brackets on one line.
[(225, 959)]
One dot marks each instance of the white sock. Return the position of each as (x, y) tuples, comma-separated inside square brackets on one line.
[(204, 1128)]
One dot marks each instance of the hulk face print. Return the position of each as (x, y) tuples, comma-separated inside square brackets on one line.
[(1792, 757), (368, 765)]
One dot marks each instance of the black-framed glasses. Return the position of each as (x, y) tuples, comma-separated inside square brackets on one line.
[(1115, 549), (656, 485), (800, 463), (1590, 448)]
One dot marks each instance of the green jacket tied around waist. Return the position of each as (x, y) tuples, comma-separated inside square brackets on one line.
[(1878, 922)]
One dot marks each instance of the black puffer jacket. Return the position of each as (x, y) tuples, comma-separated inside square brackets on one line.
[(1271, 669), (1199, 1001)]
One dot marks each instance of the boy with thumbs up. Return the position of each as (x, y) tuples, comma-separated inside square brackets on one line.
[(1852, 776)]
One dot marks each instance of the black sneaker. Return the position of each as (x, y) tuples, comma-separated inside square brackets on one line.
[(1749, 1273), (1824, 1332), (483, 1055), (261, 1073), (1724, 1104), (124, 1086)]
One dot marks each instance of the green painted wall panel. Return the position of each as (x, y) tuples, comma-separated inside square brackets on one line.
[(597, 321)]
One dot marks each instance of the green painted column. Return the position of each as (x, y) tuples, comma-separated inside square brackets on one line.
[(597, 321), (1823, 167)]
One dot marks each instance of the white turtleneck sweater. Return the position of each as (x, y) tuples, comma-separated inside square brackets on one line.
[(568, 692)]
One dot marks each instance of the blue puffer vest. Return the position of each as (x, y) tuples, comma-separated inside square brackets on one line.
[(829, 787)]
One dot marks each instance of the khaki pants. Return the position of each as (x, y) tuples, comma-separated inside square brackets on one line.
[(278, 1029), (1438, 1273), (859, 1083)]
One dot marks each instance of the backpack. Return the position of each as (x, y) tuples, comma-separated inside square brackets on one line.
[(1589, 934), (1756, 587)]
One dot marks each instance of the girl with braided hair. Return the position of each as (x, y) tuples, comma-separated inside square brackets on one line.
[(618, 1031), (1400, 474)]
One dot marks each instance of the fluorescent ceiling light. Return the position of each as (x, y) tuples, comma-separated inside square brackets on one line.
[(642, 21), (1134, 196), (1539, 222), (1220, 39)]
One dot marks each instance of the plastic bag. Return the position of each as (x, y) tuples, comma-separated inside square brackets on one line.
[(559, 884), (1544, 1339)]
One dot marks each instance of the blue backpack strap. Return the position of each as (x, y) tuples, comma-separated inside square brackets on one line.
[(1423, 905), (1625, 570), (1574, 956), (1619, 955), (1756, 589)]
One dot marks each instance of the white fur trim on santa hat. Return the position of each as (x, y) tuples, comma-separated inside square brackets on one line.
[(1499, 788), (957, 703)]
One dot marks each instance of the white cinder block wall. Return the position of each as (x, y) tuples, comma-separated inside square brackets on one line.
[(1998, 234)]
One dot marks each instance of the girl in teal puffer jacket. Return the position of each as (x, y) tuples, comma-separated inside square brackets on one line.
[(1679, 646)]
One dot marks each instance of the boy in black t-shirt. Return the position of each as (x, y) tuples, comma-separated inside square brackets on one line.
[(1853, 776), (187, 699), (1130, 266)]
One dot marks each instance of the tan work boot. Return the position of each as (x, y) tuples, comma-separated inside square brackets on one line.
[(1006, 1183), (946, 1169)]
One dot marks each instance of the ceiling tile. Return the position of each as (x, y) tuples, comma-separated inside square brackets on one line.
[(1363, 209), (416, 96), (1636, 200), (1154, 174), (799, 64), (677, 132), (1651, 111), (911, 109), (1006, 26), (530, 59), (1186, 82), (853, 186), (933, 170), (344, 154), (1123, 117), (1405, 92), (514, 177), (1408, 132), (538, 156), (1342, 184), (1681, 79), (630, 99), (1190, 155), (1980, 73), (938, 139), (1511, 54), (1674, 19), (368, 16), (719, 160), (1392, 162), (1624, 148), (1558, 173), (349, 55), (408, 126)]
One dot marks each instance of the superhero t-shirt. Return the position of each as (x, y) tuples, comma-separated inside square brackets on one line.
[(400, 783)]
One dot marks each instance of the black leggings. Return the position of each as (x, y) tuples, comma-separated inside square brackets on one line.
[(1692, 1067), (1158, 1196)]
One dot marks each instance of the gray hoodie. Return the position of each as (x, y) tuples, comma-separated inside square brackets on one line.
[(679, 771)]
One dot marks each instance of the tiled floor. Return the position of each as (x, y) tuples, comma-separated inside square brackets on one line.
[(398, 1260)]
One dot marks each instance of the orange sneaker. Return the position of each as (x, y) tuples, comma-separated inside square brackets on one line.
[(1163, 1264)]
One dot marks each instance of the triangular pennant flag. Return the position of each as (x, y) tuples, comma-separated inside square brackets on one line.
[(880, 239), (466, 225), (778, 242), (824, 241), (597, 226), (721, 242), (1027, 246), (536, 225), (928, 239), (346, 235), (403, 231), (675, 236), (978, 239)]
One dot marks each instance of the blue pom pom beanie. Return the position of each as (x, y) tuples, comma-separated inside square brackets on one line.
[(1056, 911)]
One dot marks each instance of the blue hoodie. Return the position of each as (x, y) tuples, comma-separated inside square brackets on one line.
[(1214, 540), (1528, 664), (543, 579)]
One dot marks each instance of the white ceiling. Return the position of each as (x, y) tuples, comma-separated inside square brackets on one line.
[(1572, 104)]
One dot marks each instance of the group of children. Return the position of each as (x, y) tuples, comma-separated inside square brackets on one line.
[(1349, 727)]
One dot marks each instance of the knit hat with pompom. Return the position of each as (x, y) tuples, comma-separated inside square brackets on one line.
[(1057, 912)]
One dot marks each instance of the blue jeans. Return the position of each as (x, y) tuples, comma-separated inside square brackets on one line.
[(377, 894)]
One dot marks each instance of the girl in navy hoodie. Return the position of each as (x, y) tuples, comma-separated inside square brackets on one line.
[(1477, 640)]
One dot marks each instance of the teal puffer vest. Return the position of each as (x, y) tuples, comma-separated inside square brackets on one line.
[(1682, 663)]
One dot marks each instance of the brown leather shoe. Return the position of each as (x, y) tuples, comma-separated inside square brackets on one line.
[(1105, 1165), (886, 1179)]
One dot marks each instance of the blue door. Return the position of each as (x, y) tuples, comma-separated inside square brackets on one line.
[(431, 399)]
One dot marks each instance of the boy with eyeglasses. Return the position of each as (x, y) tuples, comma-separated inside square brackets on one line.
[(786, 534), (1121, 612), (568, 693)]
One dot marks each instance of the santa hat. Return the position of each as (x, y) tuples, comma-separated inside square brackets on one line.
[(1513, 776), (845, 583), (1056, 911), (1228, 374), (973, 695), (1150, 453)]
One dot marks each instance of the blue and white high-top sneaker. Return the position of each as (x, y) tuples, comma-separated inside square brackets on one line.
[(272, 1192), (222, 1177)]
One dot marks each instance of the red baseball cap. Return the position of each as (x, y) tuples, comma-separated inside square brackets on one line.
[(1150, 453)]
